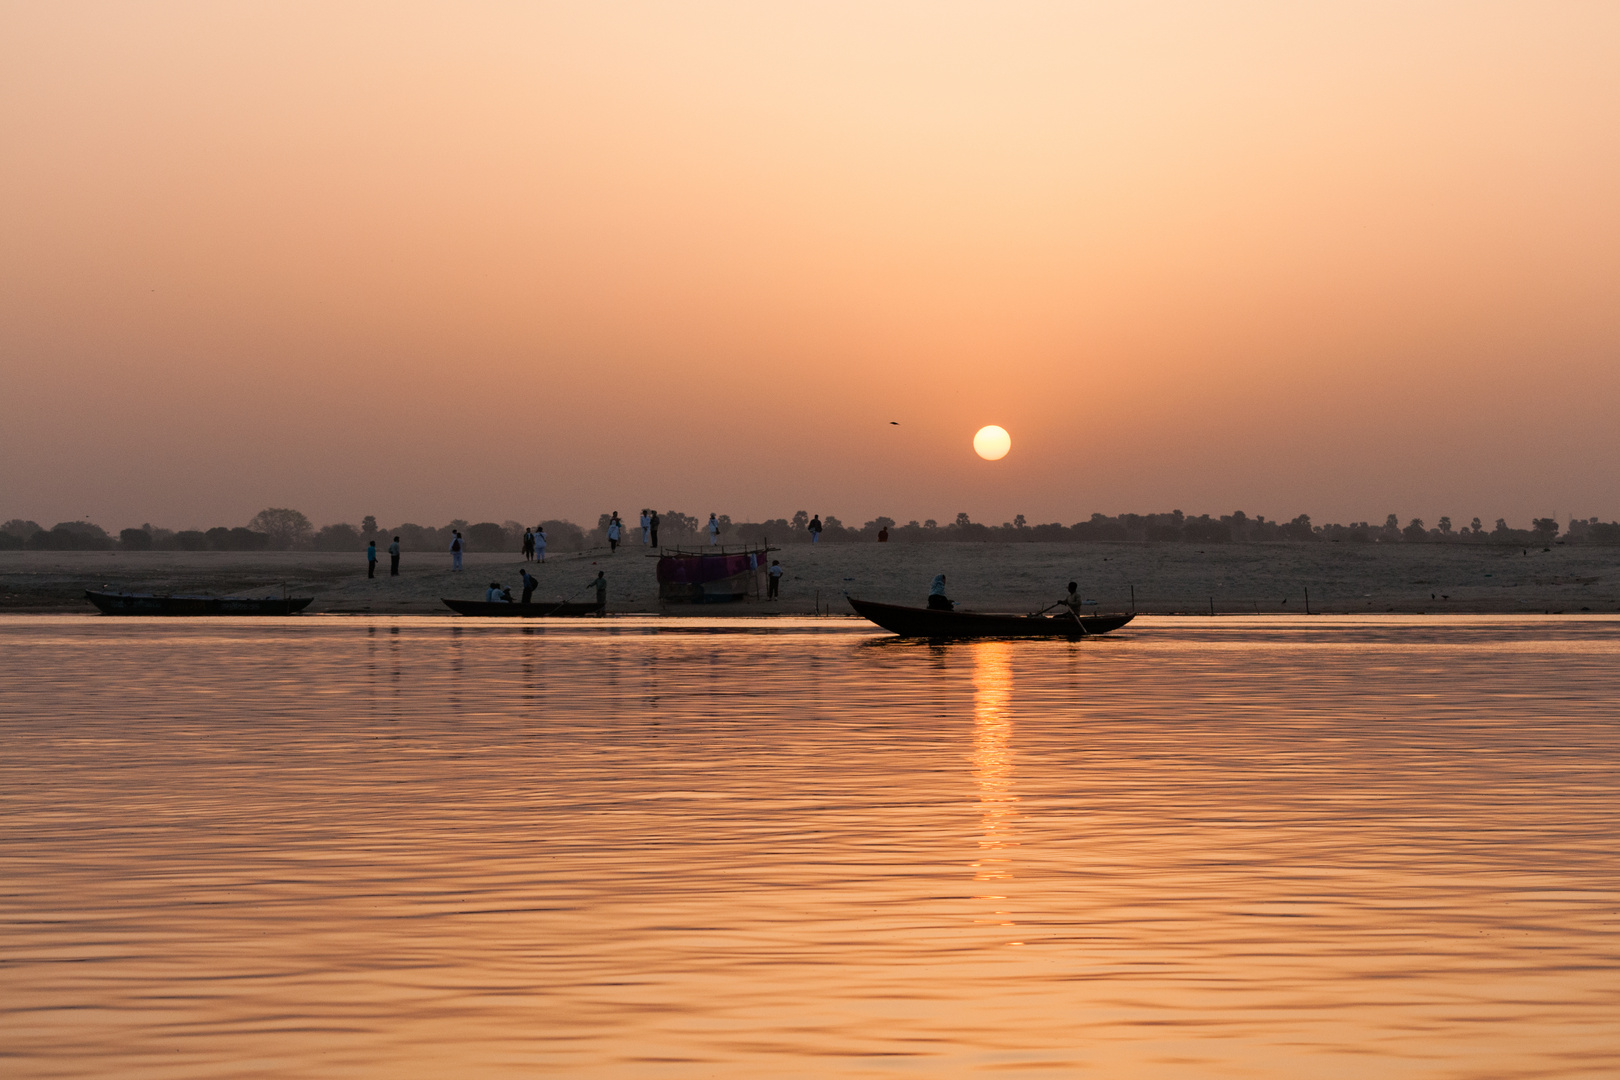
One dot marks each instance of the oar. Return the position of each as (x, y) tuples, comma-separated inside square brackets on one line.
[(1061, 603), (569, 597)]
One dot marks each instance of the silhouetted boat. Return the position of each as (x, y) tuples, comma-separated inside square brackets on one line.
[(500, 609), (148, 604), (930, 623)]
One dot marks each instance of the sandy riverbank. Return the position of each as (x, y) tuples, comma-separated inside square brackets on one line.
[(1165, 577)]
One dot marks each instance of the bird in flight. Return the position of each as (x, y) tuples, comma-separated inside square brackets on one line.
[(896, 423)]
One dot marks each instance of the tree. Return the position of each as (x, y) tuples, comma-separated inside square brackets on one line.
[(1415, 533), (285, 528), (485, 536), (1476, 528), (1392, 523), (1299, 528), (962, 520), (801, 520), (338, 538), (1019, 522), (1445, 526), (368, 525), (1545, 529), (135, 540)]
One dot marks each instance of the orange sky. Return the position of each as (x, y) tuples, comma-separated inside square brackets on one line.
[(525, 260)]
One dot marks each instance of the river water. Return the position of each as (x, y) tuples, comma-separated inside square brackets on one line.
[(335, 847)]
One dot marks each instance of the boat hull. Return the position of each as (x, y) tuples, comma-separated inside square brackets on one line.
[(145, 604), (499, 609), (928, 623)]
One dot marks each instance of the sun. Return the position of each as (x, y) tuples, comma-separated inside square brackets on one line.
[(992, 443)]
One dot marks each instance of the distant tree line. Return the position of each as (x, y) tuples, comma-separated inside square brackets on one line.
[(282, 529)]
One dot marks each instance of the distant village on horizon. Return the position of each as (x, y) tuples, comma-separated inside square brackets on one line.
[(282, 529)]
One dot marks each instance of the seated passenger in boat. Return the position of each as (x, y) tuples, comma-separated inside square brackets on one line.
[(936, 595), (497, 595)]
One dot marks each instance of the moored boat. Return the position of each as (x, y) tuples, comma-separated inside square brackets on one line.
[(502, 609), (111, 603), (930, 623)]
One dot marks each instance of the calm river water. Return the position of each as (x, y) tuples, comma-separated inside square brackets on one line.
[(332, 847)]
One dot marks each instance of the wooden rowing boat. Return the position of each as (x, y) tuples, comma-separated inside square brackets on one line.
[(500, 609), (148, 604), (929, 623)]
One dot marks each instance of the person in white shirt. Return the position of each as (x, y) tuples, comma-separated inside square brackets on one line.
[(714, 530), (613, 533), (646, 528), (773, 590), (495, 594), (1072, 601), (539, 544)]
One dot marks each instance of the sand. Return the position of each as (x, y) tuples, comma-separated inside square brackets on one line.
[(1167, 577)]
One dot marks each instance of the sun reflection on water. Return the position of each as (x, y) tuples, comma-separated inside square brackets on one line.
[(993, 771)]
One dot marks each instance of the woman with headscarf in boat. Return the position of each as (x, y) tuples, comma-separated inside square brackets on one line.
[(937, 600)]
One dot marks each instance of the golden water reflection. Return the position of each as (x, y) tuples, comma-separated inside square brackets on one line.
[(993, 759), (1270, 851)]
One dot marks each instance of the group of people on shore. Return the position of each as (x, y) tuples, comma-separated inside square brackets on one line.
[(393, 559), (649, 530)]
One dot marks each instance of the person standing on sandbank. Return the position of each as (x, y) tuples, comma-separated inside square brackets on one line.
[(393, 558), (646, 528), (613, 534), (539, 543), (371, 559), (528, 544), (601, 592), (773, 586), (815, 529), (455, 550), (714, 530), (529, 582), (653, 524)]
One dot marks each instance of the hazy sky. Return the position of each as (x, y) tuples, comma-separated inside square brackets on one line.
[(530, 260)]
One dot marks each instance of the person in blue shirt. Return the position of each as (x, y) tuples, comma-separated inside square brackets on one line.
[(371, 559)]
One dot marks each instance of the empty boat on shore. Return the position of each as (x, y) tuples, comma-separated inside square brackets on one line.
[(935, 623)]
